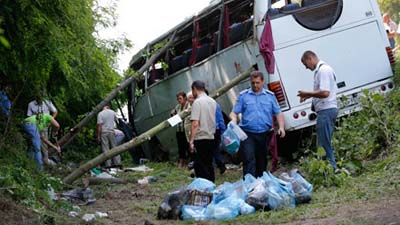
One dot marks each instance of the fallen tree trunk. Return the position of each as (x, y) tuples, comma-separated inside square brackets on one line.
[(145, 136), (72, 133)]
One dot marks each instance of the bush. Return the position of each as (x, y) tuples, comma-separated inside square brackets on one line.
[(320, 172)]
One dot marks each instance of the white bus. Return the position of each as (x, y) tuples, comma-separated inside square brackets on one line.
[(347, 34)]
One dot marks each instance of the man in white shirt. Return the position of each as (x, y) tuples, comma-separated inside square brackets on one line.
[(203, 128), (323, 101), (105, 134)]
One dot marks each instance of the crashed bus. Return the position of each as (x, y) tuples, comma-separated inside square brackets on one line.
[(224, 38)]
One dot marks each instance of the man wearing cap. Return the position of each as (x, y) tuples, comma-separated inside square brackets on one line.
[(257, 106), (203, 128), (323, 101)]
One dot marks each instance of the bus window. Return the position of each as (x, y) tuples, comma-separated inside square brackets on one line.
[(283, 7), (311, 14), (319, 14)]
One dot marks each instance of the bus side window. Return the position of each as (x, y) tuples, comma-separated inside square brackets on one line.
[(279, 8)]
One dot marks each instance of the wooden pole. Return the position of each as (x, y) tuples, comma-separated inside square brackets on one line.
[(71, 134), (147, 135)]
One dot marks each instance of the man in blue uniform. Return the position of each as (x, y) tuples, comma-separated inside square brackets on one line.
[(257, 106)]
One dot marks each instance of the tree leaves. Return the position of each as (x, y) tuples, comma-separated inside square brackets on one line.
[(53, 49)]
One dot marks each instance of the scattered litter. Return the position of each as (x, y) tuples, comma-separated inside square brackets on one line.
[(80, 195), (232, 167), (101, 214), (76, 208), (73, 214), (114, 171), (148, 179), (142, 168), (88, 217), (51, 193), (104, 175), (95, 172)]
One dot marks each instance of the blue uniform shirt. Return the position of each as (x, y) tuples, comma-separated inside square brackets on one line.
[(219, 119), (257, 110)]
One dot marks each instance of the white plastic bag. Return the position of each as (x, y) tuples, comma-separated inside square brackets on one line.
[(238, 131)]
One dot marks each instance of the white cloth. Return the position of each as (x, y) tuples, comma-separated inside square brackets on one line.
[(325, 80), (46, 107)]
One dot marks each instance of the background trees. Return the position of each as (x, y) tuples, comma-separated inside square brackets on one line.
[(392, 7), (53, 51)]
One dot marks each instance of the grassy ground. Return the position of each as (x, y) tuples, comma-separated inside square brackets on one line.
[(371, 198)]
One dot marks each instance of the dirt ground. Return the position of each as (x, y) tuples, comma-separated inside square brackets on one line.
[(129, 205), (384, 212), (11, 213)]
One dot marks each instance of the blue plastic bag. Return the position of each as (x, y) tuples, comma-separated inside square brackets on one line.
[(201, 184), (225, 209), (296, 175), (280, 193), (227, 189), (230, 140), (301, 187), (248, 181), (228, 208), (191, 212), (246, 209)]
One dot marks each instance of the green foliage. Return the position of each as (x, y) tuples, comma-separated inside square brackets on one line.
[(21, 180), (390, 6), (53, 49), (320, 172), (369, 133)]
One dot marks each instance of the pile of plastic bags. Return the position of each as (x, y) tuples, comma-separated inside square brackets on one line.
[(240, 198)]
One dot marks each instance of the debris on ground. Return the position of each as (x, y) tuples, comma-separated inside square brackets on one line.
[(51, 193), (88, 217), (147, 180), (171, 206), (82, 196), (73, 214), (201, 200), (232, 167), (104, 175), (101, 214), (142, 168)]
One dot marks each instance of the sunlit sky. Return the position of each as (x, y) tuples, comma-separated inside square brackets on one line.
[(143, 21)]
